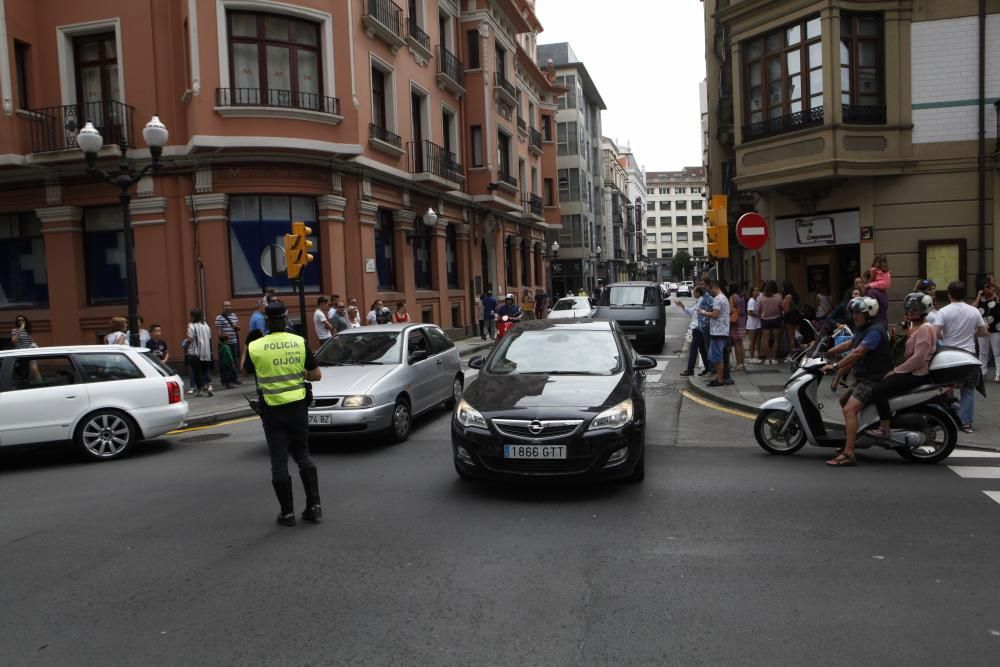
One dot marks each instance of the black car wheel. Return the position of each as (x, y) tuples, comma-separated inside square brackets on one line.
[(402, 420)]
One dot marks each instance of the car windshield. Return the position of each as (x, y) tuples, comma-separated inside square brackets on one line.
[(557, 351), (571, 304), (630, 295), (376, 347)]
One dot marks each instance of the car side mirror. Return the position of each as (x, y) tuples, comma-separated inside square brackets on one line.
[(644, 363), (477, 362), (418, 356), (666, 302)]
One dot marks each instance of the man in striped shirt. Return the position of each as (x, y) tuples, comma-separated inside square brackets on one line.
[(228, 323)]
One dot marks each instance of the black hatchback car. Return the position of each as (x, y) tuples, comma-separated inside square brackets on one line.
[(555, 399)]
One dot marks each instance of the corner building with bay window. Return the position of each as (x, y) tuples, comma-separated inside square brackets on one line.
[(353, 116)]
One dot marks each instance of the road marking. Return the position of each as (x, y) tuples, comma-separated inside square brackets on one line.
[(976, 472), (715, 406), (654, 378), (973, 454), (995, 495), (217, 425)]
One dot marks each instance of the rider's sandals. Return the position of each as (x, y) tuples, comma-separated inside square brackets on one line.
[(842, 460)]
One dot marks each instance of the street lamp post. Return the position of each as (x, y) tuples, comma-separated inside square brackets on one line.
[(552, 262), (90, 142)]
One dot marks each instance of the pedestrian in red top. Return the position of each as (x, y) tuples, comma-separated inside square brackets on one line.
[(400, 316)]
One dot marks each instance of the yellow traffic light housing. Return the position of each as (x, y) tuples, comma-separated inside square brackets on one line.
[(297, 245), (718, 227)]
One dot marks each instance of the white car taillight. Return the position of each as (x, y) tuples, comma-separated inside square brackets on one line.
[(174, 394)]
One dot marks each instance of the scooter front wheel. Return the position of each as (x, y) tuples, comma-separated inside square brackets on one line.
[(767, 431)]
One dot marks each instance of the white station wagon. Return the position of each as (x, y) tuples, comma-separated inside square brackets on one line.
[(103, 397)]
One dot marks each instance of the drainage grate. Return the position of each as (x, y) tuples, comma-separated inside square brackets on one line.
[(207, 437)]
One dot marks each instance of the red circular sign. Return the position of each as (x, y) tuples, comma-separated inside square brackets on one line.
[(752, 231)]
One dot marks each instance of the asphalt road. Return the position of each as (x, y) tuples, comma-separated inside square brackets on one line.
[(724, 555)]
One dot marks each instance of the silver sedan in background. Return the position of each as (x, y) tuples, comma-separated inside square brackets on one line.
[(571, 307), (378, 378)]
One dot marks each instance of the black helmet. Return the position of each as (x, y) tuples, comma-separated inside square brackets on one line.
[(275, 310), (917, 303)]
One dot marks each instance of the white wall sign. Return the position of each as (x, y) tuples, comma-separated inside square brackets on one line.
[(818, 230), (369, 265)]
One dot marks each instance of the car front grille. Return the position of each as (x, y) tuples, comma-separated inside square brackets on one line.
[(536, 466), (544, 429), (632, 323), (325, 403)]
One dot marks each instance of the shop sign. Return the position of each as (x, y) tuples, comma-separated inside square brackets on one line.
[(369, 265), (818, 230)]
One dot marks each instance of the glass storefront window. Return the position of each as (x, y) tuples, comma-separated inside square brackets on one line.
[(23, 280), (256, 221), (104, 255)]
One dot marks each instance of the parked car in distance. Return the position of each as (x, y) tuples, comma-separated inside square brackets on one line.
[(379, 378), (683, 289), (572, 307), (638, 307), (540, 409), (104, 398)]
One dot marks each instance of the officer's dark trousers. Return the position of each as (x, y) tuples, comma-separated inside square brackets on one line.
[(286, 428)]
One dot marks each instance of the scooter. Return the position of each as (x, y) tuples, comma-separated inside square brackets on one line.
[(923, 427), (504, 325)]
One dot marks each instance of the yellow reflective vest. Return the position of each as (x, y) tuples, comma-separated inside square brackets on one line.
[(280, 362)]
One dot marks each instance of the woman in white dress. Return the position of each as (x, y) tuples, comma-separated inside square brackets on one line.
[(199, 337)]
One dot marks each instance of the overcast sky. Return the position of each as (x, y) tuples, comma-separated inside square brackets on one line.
[(647, 58)]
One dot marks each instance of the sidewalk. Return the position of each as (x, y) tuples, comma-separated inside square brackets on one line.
[(230, 403), (760, 383)]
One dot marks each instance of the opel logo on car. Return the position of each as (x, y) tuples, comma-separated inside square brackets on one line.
[(536, 427)]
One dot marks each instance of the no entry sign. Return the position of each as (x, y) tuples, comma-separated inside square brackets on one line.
[(752, 231)]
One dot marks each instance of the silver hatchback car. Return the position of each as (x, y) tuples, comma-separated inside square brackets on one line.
[(378, 378)]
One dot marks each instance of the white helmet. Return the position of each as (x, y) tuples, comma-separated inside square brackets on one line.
[(863, 304), (509, 296)]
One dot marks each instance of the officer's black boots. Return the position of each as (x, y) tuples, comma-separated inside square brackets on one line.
[(283, 489), (313, 512)]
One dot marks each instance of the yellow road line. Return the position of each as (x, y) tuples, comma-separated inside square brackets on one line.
[(691, 396), (217, 425)]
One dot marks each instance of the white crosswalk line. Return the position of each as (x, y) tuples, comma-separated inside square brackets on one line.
[(653, 377), (973, 454), (995, 495), (976, 472)]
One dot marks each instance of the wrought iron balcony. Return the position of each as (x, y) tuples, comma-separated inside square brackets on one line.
[(382, 134), (508, 179), (504, 89), (279, 99), (384, 19), (56, 128), (533, 204), (781, 124), (428, 157), (522, 126), (864, 114), (535, 139), (450, 71), (417, 34)]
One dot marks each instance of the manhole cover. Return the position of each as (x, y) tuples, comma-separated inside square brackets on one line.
[(207, 437)]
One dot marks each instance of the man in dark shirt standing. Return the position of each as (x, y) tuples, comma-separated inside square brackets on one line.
[(489, 307)]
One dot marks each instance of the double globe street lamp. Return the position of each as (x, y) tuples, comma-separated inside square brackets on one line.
[(90, 142)]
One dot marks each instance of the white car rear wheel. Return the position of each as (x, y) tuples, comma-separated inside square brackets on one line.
[(105, 435)]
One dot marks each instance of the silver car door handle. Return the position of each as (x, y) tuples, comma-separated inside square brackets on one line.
[(439, 362), (71, 396)]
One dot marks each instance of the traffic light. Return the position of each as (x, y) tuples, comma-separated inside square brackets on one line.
[(718, 227), (297, 246)]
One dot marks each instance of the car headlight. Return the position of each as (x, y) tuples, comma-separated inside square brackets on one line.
[(468, 415), (615, 417), (357, 402), (650, 322)]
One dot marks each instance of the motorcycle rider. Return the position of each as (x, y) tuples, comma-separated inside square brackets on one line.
[(870, 356), (509, 308)]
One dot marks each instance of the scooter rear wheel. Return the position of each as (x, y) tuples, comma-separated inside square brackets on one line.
[(936, 426), (767, 431)]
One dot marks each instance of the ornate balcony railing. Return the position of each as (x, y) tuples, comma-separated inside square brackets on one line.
[(501, 82), (449, 65), (56, 128), (382, 134), (425, 156), (522, 126), (388, 13), (533, 204), (417, 34), (281, 99), (535, 138), (861, 114), (781, 124), (507, 178)]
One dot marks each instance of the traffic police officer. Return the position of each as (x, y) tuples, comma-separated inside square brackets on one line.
[(283, 363)]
